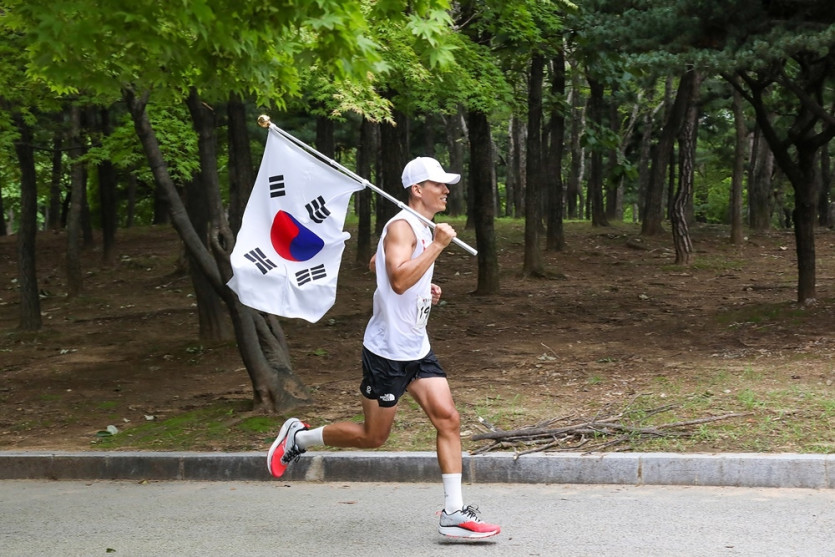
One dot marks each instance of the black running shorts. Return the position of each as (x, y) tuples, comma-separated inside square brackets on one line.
[(386, 380)]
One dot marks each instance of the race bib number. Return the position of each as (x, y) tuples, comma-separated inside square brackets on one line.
[(424, 306)]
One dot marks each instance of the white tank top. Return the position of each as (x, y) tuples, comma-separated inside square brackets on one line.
[(397, 329)]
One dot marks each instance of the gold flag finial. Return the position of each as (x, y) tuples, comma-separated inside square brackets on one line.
[(264, 121)]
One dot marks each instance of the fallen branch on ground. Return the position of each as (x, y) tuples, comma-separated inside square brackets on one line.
[(595, 434)]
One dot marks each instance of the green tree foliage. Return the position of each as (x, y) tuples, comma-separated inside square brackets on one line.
[(155, 55), (258, 48)]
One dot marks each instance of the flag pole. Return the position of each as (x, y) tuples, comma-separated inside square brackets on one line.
[(264, 122)]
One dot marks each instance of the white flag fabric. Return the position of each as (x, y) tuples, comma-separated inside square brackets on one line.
[(288, 251)]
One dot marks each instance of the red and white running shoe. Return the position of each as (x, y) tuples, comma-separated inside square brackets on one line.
[(284, 449), (466, 524)]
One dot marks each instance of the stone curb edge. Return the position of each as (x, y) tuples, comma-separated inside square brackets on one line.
[(722, 469)]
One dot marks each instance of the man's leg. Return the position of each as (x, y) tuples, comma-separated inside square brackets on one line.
[(435, 398), (369, 434), (295, 437)]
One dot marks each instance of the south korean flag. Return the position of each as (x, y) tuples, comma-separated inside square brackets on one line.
[(288, 251)]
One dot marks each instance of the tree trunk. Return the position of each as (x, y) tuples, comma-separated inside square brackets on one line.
[(324, 136), (86, 217), (366, 154), (161, 208), (520, 167), (241, 171), (574, 193), (30, 303), (805, 217), (687, 154), (494, 176), (614, 183), (73, 256), (760, 183), (644, 159), (393, 151), (807, 134), (55, 190), (555, 238), (480, 176), (654, 210), (428, 126), (512, 166), (202, 197), (107, 198), (131, 194), (595, 187), (738, 170), (825, 187), (455, 137), (533, 260), (260, 339), (3, 229)]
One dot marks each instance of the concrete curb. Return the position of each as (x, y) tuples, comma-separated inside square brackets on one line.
[(723, 469)]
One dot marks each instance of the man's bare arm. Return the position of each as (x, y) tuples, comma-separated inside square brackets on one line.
[(403, 271)]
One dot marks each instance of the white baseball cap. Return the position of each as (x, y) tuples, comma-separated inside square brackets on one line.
[(426, 168)]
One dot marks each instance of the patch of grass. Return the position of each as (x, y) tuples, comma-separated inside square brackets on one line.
[(705, 434), (781, 420), (258, 424), (412, 431), (669, 385), (718, 378), (497, 409), (759, 314), (828, 407), (27, 425), (749, 399), (749, 374), (796, 419), (800, 418), (200, 429)]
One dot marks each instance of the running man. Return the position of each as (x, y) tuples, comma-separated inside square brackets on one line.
[(396, 355)]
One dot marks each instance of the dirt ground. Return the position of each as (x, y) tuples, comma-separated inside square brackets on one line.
[(615, 319)]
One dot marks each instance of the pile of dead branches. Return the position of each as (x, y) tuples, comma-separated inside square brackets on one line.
[(602, 432)]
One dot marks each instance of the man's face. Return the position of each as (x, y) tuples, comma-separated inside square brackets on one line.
[(434, 195)]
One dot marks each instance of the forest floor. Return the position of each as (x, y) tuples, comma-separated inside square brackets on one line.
[(716, 356)]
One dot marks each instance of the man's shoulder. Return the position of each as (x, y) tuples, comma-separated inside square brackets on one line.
[(400, 230)]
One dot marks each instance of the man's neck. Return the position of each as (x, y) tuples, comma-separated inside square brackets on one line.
[(421, 210)]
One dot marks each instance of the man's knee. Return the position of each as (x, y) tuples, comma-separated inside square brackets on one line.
[(448, 419), (375, 433), (375, 440)]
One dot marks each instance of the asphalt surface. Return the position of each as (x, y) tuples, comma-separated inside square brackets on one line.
[(185, 518), (372, 503)]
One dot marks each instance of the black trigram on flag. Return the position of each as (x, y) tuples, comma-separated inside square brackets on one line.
[(314, 273), (317, 210), (277, 186), (261, 261)]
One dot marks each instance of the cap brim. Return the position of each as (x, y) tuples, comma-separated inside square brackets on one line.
[(450, 179)]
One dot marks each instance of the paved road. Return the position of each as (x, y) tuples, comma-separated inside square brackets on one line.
[(184, 518)]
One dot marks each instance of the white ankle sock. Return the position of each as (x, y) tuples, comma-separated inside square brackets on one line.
[(309, 438), (453, 497)]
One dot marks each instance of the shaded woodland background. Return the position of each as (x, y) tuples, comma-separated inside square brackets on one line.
[(669, 117), (615, 327)]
